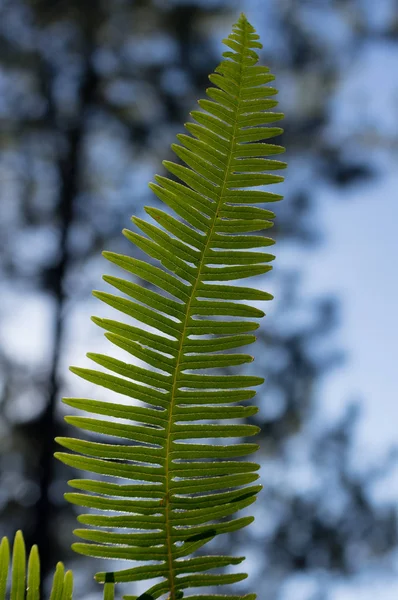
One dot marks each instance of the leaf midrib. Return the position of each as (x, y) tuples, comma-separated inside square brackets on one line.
[(168, 468)]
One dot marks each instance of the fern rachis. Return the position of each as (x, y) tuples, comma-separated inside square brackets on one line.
[(182, 493)]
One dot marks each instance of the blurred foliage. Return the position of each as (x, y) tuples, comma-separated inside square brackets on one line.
[(21, 573), (91, 96)]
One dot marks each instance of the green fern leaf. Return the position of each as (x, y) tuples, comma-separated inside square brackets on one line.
[(184, 481), (24, 579)]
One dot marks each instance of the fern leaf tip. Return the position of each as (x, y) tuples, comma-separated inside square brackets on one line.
[(80, 519), (62, 441), (109, 255), (152, 212), (243, 21), (19, 539), (97, 320), (76, 547)]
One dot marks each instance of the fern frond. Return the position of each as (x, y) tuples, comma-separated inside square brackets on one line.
[(24, 579), (183, 488)]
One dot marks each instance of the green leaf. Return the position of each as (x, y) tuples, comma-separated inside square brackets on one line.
[(109, 590), (24, 579), (4, 566), (67, 591), (58, 583), (127, 388), (114, 489), (182, 316), (33, 590), (18, 575)]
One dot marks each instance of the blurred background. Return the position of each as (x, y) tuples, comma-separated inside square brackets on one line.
[(92, 94)]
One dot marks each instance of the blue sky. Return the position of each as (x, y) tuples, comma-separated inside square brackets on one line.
[(357, 261)]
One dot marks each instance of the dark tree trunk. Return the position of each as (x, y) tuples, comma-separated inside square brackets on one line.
[(42, 529)]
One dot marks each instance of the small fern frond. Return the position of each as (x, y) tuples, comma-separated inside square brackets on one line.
[(184, 489), (24, 579)]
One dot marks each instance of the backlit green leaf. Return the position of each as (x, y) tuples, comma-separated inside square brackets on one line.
[(172, 448)]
